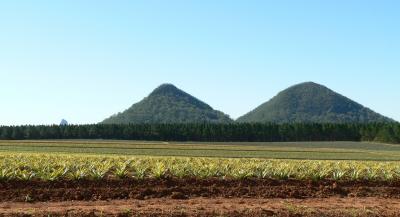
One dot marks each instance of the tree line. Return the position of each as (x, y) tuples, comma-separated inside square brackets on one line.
[(235, 132)]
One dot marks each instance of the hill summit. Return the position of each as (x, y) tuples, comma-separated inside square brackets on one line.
[(168, 104), (311, 102)]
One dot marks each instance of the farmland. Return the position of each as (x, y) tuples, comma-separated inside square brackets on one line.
[(132, 178), (274, 150), (63, 167)]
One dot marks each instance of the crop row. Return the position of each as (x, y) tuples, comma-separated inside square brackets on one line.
[(51, 167)]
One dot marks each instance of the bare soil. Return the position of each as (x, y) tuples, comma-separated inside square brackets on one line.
[(195, 197), (334, 207)]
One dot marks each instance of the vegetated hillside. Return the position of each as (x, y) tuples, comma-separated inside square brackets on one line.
[(168, 104), (311, 102)]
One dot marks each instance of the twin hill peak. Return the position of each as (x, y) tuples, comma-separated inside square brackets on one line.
[(169, 104), (312, 102), (166, 89), (306, 102)]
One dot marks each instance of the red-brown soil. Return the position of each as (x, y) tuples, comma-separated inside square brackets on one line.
[(194, 197), (332, 207)]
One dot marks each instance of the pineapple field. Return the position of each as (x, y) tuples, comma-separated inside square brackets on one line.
[(80, 178)]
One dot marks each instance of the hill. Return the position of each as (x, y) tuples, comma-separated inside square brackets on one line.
[(311, 102), (168, 104)]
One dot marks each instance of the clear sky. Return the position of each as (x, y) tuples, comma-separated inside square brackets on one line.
[(86, 60)]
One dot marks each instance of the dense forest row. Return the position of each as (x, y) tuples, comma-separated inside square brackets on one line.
[(389, 132)]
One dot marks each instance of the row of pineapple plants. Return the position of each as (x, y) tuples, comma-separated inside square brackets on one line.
[(52, 167)]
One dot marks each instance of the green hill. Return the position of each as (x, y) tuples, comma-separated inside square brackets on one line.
[(311, 102), (168, 104)]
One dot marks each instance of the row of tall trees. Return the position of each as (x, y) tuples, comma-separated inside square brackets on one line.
[(381, 132)]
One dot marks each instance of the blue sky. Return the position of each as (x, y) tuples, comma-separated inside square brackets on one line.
[(85, 60)]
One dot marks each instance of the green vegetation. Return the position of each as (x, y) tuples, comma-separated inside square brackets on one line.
[(311, 102), (290, 150), (64, 167), (303, 103), (207, 132), (168, 104)]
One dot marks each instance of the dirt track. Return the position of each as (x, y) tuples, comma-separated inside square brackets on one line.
[(192, 197), (211, 207)]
